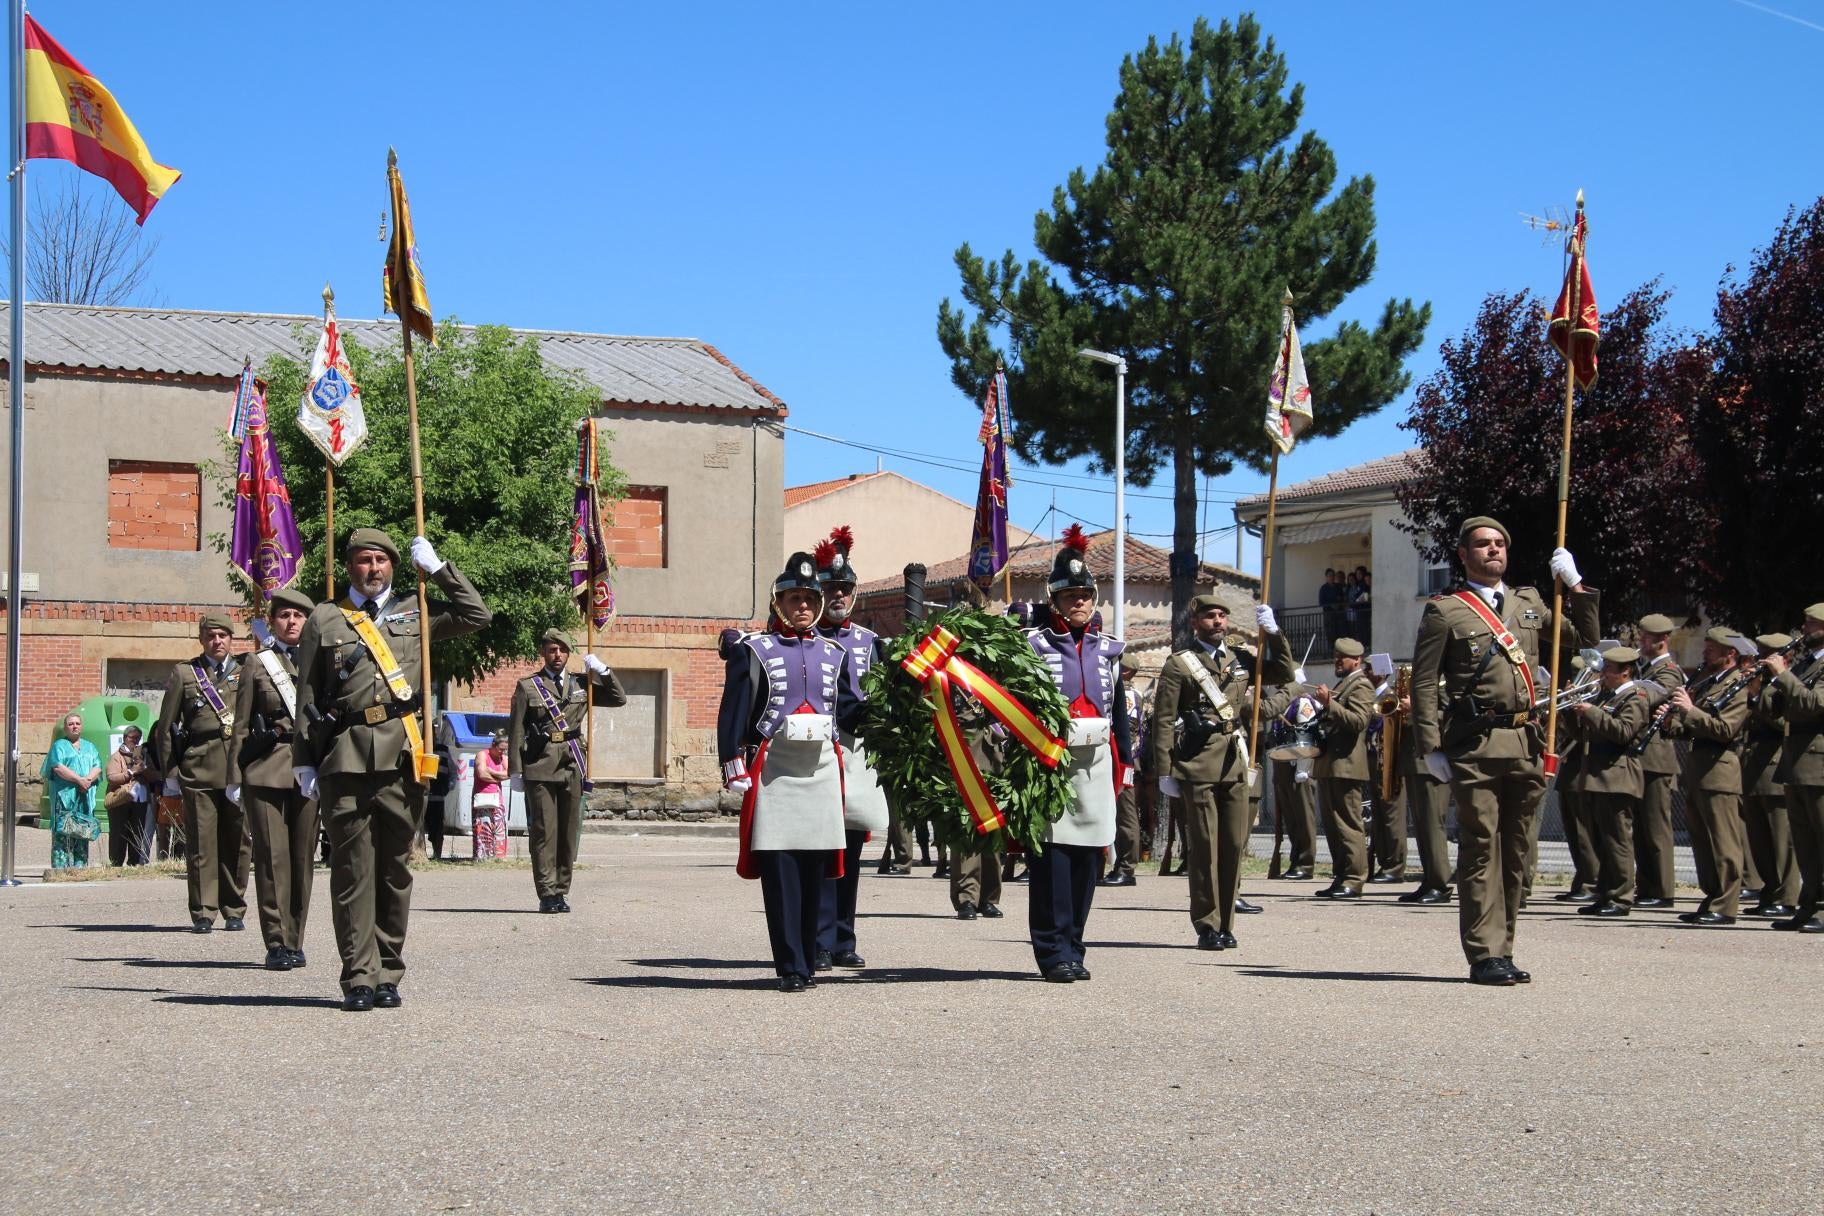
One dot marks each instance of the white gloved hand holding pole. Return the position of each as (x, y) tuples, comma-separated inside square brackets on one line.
[(1263, 616), (1564, 569), (424, 556), (595, 665)]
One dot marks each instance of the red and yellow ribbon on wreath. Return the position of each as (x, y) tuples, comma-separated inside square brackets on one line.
[(935, 664)]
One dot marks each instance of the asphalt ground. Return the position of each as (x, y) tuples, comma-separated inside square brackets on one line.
[(633, 1056)]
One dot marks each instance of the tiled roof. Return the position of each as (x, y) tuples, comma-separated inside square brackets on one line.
[(794, 495), (1381, 473), (634, 371), (1145, 564)]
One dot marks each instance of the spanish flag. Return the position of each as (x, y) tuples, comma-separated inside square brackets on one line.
[(70, 115), (402, 282)]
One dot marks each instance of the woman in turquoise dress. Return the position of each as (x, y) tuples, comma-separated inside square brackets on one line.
[(73, 770)]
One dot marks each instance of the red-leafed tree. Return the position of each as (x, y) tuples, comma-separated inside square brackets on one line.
[(1490, 419), (1760, 434)]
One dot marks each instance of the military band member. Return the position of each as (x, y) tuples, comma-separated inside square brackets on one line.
[(282, 821), (194, 725), (785, 695), (1201, 716), (1343, 767), (1654, 846), (1475, 654), (1427, 802), (1764, 798), (546, 727), (1713, 780), (1295, 802), (1085, 664), (1126, 853), (359, 682), (1574, 818), (1797, 691), (1609, 776), (864, 806)]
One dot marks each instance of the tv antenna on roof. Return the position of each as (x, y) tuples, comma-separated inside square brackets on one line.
[(1555, 223)]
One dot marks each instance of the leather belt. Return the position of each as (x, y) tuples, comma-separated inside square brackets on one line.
[(558, 736)]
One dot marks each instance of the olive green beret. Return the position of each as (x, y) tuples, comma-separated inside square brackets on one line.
[(1203, 603), (1773, 641), (371, 538), (1656, 622), (1481, 521), (1577, 663), (1349, 648), (286, 597), (555, 635), (1129, 662), (1626, 655), (1815, 613), (1721, 636), (215, 620)]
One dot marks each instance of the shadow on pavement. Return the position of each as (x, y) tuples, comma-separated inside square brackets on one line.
[(872, 975), (117, 928), (1380, 977), (254, 1002), (486, 911), (698, 964), (206, 964)]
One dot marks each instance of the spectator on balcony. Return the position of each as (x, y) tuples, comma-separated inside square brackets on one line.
[(1331, 599), (1360, 604)]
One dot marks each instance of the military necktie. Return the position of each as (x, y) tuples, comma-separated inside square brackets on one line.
[(372, 608)]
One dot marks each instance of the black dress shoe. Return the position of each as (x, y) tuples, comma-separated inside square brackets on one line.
[(885, 867), (1437, 895), (1653, 901), (791, 983), (1575, 896), (1814, 925), (1384, 878), (386, 996), (1226, 941), (942, 870), (849, 959), (992, 911), (1608, 909), (547, 903), (1117, 879), (902, 869), (1209, 939), (358, 999), (1246, 908), (1328, 892), (1771, 911), (297, 958), (822, 961), (201, 926), (1023, 876), (1345, 893), (1520, 977), (1296, 874), (563, 905), (278, 958), (965, 911), (1493, 972), (1707, 918), (233, 924), (1081, 971), (1063, 973)]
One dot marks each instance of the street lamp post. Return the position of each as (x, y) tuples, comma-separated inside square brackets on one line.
[(1120, 366)]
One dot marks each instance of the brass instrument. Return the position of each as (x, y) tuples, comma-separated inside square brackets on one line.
[(1393, 726)]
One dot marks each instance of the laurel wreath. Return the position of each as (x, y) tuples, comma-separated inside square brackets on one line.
[(902, 744)]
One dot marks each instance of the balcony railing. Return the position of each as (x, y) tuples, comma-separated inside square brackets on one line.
[(1319, 628)]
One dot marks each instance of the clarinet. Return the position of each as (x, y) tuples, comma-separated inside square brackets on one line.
[(1654, 725)]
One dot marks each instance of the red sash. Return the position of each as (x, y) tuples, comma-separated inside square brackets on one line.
[(1510, 645)]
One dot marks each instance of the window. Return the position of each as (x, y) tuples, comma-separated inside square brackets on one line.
[(154, 505), (636, 528), (1436, 579)]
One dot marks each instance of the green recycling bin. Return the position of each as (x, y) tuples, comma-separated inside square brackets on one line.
[(103, 720)]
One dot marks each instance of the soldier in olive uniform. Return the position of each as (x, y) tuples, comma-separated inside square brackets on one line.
[(1574, 817), (545, 729), (1713, 780), (1201, 715), (1609, 776), (975, 878), (1295, 802), (358, 747), (1427, 801), (1797, 692), (1126, 853), (1764, 798), (1341, 770), (193, 729), (1481, 736), (282, 820), (1654, 845)]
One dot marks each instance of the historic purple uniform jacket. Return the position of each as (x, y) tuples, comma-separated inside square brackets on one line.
[(770, 675), (863, 646), (1089, 671)]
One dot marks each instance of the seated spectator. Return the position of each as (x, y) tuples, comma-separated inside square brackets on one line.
[(72, 768), (127, 802)]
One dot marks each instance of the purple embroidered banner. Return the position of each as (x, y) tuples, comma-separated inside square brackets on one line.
[(265, 541)]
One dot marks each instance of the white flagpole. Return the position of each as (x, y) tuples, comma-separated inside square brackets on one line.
[(15, 400)]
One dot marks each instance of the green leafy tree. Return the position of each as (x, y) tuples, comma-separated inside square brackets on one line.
[(497, 428), (1174, 253)]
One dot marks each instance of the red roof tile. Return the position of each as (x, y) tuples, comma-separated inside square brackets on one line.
[(1384, 472), (795, 495)]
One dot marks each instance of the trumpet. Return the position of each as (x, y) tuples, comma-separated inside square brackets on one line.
[(1586, 687), (1393, 725)]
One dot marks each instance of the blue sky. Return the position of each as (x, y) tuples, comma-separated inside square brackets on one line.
[(790, 181)]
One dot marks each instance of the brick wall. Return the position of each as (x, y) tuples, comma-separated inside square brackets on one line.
[(154, 505), (636, 528)]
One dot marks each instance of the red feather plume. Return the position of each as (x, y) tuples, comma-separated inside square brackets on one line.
[(842, 538), (1075, 539), (823, 553)]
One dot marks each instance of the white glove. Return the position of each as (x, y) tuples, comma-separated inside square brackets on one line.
[(1169, 787), (233, 794), (424, 556), (1301, 773), (516, 785), (1439, 766), (594, 664), (739, 785), (307, 780), (1564, 568), (1263, 616), (172, 789)]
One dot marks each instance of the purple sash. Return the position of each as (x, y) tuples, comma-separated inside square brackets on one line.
[(557, 716), (210, 695)]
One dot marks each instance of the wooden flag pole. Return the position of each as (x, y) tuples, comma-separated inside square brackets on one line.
[(426, 769), (588, 437), (1266, 588), (1572, 318), (329, 490)]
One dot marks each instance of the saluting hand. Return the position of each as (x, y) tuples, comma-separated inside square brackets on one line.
[(424, 556)]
